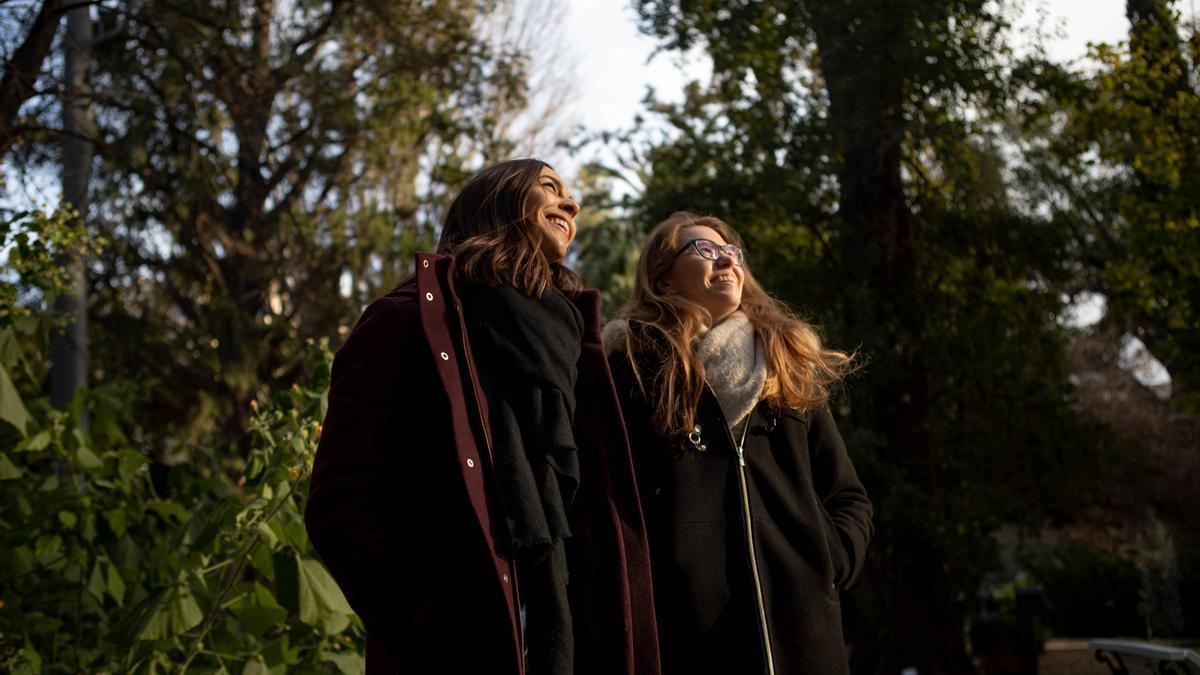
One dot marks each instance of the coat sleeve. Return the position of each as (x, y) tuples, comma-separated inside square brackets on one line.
[(353, 486), (843, 498)]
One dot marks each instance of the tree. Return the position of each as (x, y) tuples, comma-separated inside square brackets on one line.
[(264, 168), (1140, 115)]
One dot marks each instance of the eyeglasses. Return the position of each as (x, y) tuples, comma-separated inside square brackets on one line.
[(711, 250)]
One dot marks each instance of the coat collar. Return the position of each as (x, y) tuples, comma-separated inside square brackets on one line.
[(435, 275)]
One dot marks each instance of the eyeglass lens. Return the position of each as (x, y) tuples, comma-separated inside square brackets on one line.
[(712, 250)]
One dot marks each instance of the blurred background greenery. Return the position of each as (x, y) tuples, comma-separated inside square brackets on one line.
[(1010, 243)]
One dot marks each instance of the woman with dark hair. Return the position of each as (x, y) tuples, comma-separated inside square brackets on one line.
[(473, 492), (756, 516)]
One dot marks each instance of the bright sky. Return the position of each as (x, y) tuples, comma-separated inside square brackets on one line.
[(615, 70)]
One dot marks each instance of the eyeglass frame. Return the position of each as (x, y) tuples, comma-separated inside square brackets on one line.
[(739, 260)]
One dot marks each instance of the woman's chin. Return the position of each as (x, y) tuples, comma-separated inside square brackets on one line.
[(555, 254)]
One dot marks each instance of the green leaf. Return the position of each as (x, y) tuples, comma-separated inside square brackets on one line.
[(128, 554), (266, 534), (258, 611), (131, 461), (291, 528), (347, 663), (7, 470), (278, 653), (177, 613), (167, 509), (116, 521), (67, 519), (205, 526), (47, 546), (129, 626), (262, 562), (12, 409), (18, 561), (115, 585), (337, 623), (36, 443), (83, 453), (87, 527), (96, 584), (32, 658), (256, 666), (11, 355), (320, 598)]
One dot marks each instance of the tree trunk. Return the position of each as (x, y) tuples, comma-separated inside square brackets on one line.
[(69, 350), (918, 622)]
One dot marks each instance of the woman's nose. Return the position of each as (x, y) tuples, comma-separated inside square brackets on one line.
[(570, 206), (723, 260)]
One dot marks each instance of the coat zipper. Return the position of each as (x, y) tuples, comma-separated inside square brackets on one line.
[(750, 547), (487, 440)]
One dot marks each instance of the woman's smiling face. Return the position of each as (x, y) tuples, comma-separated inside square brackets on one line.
[(715, 285), (554, 211)]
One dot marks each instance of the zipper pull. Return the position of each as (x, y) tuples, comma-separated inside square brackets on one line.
[(741, 457)]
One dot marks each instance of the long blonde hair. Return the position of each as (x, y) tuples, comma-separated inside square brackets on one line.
[(663, 325)]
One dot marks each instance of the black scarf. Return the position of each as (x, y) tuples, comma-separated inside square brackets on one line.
[(526, 350)]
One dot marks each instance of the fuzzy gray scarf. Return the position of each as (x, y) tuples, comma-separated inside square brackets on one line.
[(735, 365)]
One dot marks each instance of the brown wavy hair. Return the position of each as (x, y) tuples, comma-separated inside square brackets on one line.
[(492, 232), (663, 325)]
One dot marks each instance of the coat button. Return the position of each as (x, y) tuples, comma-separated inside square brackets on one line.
[(504, 577), (425, 263), (429, 297), (445, 356), (470, 462)]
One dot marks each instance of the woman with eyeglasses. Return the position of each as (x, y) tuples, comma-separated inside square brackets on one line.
[(755, 514)]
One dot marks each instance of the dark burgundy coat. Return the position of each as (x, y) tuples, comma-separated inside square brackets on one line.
[(403, 509)]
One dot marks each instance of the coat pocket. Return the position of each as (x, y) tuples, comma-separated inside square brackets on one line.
[(839, 561)]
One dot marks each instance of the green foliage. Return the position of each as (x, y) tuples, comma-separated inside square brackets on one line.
[(608, 243), (1089, 592), (1140, 116), (33, 242), (112, 562)]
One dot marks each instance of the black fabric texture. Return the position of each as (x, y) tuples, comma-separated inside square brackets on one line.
[(527, 349), (811, 526)]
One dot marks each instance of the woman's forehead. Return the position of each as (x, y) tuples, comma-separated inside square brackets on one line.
[(700, 232)]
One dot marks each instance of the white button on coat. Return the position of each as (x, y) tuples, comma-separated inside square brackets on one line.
[(470, 462), (429, 297)]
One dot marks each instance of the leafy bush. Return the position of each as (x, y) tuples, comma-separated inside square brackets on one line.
[(1089, 592), (112, 562)]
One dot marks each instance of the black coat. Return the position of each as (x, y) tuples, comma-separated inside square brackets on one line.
[(811, 523)]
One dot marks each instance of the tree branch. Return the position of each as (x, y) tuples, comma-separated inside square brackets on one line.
[(22, 70)]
